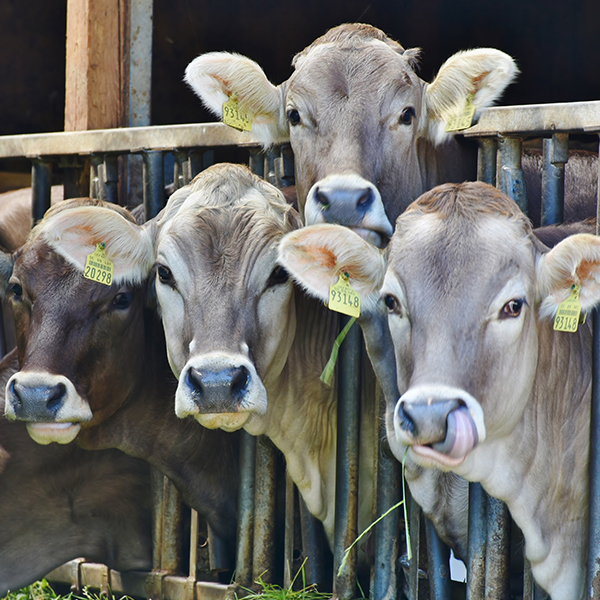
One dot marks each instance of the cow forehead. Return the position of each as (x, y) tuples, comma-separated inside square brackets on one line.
[(472, 260)]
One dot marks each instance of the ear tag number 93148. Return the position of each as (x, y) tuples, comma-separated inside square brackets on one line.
[(465, 119), (343, 298), (98, 267), (567, 315)]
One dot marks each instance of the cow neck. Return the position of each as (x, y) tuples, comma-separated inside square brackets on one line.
[(547, 491)]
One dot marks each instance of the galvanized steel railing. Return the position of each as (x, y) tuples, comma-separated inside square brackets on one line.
[(500, 132)]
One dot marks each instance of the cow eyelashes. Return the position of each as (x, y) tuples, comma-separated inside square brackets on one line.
[(512, 308), (17, 291), (278, 276), (407, 116), (392, 304), (164, 275), (293, 117)]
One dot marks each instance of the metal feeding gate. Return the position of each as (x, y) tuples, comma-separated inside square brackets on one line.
[(501, 132)]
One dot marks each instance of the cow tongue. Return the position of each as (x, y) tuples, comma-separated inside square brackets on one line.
[(461, 434)]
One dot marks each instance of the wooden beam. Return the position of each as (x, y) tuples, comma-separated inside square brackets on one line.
[(97, 64)]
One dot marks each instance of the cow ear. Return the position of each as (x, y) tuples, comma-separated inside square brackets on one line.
[(216, 76), (316, 255), (483, 73), (574, 261)]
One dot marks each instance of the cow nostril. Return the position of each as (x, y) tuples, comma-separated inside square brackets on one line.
[(366, 199), (194, 380), (321, 198), (405, 421), (240, 378), (15, 393), (56, 395)]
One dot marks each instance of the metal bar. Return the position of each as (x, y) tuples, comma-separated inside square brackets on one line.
[(477, 542), (593, 558), (243, 574), (200, 160), (156, 490), (439, 565), (497, 553), (154, 183), (218, 552), (346, 482), (509, 176), (556, 154), (414, 517), (110, 179), (182, 169), (41, 183), (172, 529), (313, 544), (124, 140), (193, 566), (486, 160), (389, 493), (95, 176), (263, 555), (140, 62), (256, 161), (288, 543)]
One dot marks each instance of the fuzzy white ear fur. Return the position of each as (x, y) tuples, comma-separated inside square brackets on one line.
[(216, 75), (483, 72), (74, 234), (315, 256), (575, 260)]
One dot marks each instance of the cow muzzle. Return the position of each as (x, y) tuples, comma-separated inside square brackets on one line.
[(220, 390), (352, 201), (441, 424), (49, 404)]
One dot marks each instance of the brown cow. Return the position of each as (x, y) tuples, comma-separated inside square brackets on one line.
[(493, 392), (93, 360), (62, 503), (368, 134), (247, 346)]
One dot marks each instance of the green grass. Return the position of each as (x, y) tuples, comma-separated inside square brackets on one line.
[(42, 590)]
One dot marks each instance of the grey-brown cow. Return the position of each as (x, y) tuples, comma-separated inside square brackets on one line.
[(246, 345), (93, 361), (368, 134), (62, 503), (493, 392)]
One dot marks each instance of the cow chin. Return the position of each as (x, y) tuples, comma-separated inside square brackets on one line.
[(226, 421), (47, 433)]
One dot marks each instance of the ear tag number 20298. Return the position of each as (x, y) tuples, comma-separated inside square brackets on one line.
[(343, 298), (98, 267), (567, 315)]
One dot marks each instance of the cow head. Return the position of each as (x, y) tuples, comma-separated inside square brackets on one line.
[(227, 307), (469, 292), (368, 134), (80, 342)]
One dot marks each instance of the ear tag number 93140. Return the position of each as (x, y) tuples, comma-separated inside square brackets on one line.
[(98, 267), (567, 315), (343, 298)]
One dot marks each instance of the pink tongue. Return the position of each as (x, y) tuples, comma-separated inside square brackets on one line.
[(461, 434)]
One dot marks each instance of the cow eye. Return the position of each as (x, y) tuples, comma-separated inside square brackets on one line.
[(17, 291), (164, 275), (392, 304), (278, 276), (512, 309), (122, 301), (407, 116), (293, 117)]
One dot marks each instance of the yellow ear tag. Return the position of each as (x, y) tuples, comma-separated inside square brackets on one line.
[(234, 116), (567, 315), (343, 298), (465, 119), (98, 266)]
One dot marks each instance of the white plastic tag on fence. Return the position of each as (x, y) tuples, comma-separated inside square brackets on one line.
[(458, 571)]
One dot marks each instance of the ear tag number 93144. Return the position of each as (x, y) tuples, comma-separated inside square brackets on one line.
[(343, 298), (234, 116), (567, 315), (98, 267)]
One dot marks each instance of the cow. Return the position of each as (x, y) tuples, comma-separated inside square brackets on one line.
[(491, 391), (246, 345), (92, 357), (62, 503), (368, 134)]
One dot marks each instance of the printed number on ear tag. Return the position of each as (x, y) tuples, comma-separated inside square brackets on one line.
[(465, 119), (234, 116), (567, 315), (98, 267), (343, 298)]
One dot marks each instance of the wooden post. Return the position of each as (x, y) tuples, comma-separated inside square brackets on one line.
[(97, 64)]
